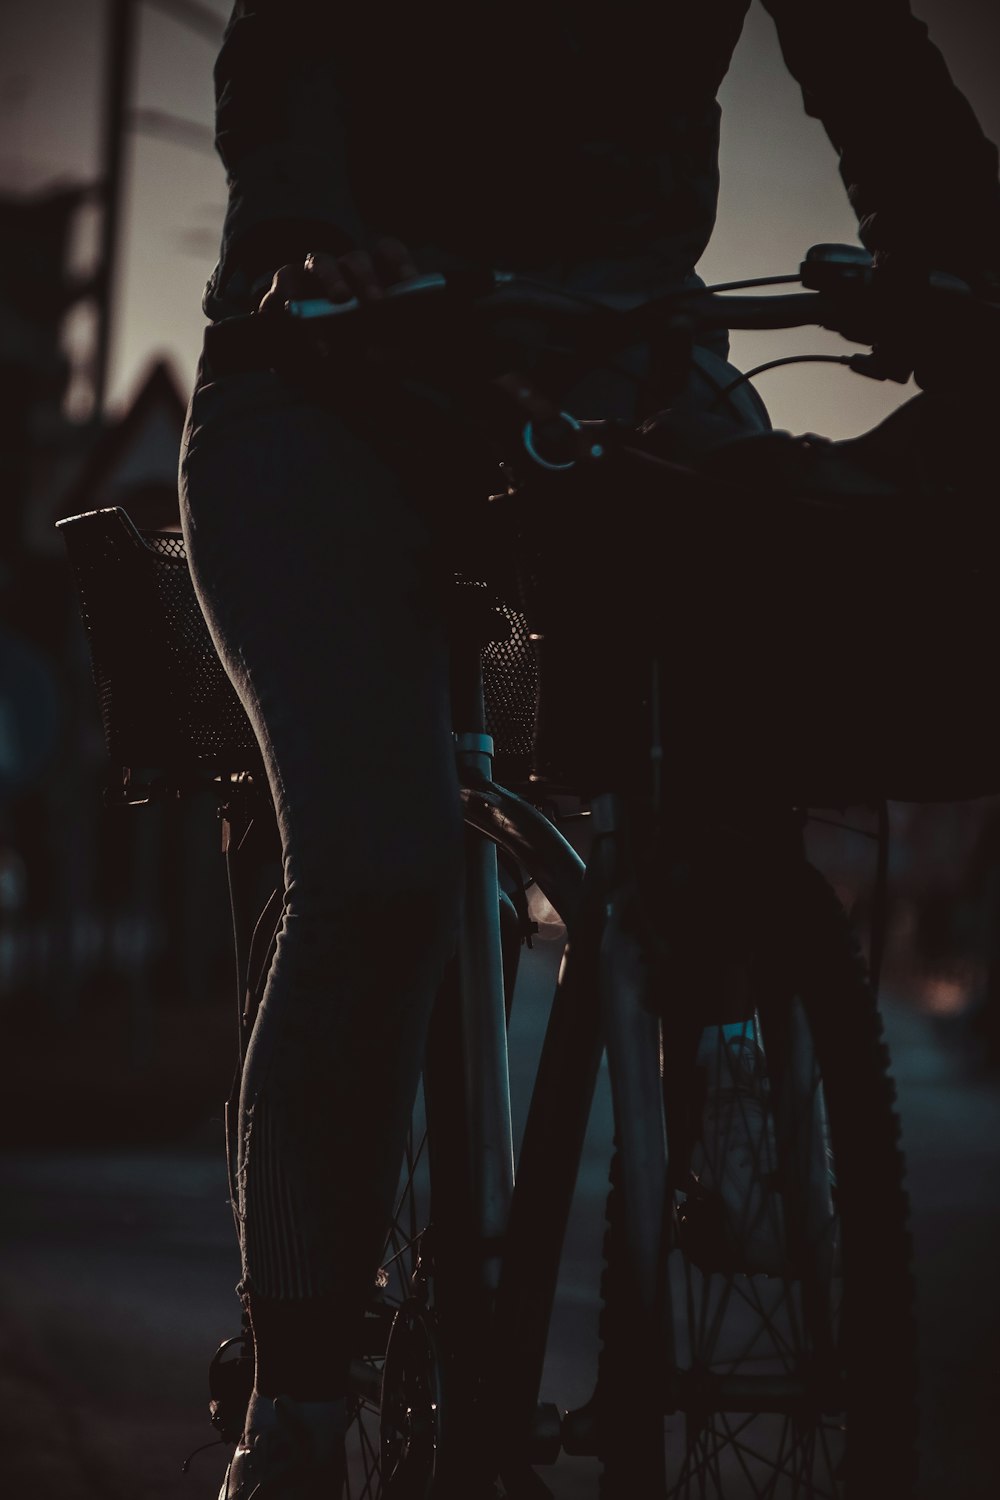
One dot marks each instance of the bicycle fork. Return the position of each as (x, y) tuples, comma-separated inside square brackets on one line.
[(644, 1342), (484, 1031)]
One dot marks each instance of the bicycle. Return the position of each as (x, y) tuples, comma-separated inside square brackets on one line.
[(759, 1346)]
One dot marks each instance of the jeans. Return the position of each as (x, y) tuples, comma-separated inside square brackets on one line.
[(319, 574)]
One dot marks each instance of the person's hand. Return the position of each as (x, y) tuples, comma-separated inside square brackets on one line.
[(899, 283), (943, 347), (956, 350), (364, 274)]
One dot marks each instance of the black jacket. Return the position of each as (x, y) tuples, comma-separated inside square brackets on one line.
[(534, 132)]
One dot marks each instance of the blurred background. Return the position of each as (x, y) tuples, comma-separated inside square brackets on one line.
[(117, 1263)]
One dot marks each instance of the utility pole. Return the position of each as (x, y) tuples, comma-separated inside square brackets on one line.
[(121, 38), (117, 122)]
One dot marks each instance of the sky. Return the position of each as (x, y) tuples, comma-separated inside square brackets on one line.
[(780, 188)]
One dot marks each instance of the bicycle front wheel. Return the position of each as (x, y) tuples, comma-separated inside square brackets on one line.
[(788, 1262), (410, 1435), (397, 1439)]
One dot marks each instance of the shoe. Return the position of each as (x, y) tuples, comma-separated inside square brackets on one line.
[(291, 1450), (733, 1220)]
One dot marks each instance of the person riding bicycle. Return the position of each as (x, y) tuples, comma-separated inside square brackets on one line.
[(364, 145)]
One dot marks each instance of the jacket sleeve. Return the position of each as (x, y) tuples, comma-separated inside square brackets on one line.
[(919, 172), (280, 129)]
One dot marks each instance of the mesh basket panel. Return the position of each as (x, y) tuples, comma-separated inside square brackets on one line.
[(211, 718), (509, 689), (164, 695), (167, 543), (509, 672)]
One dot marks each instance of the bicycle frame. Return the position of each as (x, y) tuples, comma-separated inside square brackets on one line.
[(519, 1223), (600, 1004)]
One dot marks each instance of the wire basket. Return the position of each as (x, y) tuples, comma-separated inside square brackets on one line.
[(165, 699)]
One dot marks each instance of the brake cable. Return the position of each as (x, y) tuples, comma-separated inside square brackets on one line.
[(772, 364)]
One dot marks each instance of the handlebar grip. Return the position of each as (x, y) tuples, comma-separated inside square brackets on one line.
[(308, 308)]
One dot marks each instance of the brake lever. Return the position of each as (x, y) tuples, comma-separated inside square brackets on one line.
[(883, 363)]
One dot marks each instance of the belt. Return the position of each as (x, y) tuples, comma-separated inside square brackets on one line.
[(242, 344)]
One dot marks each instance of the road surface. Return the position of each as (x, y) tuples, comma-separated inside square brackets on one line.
[(117, 1271)]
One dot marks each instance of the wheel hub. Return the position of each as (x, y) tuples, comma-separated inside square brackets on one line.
[(410, 1426)]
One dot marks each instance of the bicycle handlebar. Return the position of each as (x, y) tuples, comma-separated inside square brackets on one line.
[(511, 297), (842, 293)]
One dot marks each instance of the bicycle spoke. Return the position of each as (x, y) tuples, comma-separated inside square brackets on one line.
[(412, 1161), (783, 1471), (747, 1355), (738, 1451), (738, 1321), (373, 1473), (685, 1472), (699, 1449), (771, 1490), (793, 1459), (701, 1471), (401, 1251), (759, 1197), (783, 1348), (712, 1444)]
